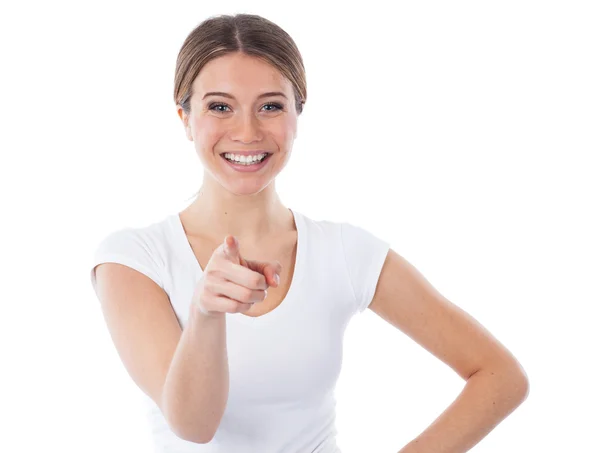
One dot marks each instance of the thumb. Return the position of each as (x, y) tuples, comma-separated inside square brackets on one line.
[(231, 249), (270, 269)]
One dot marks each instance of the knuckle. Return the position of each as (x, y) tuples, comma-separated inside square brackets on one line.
[(258, 281), (246, 294), (209, 286), (212, 273)]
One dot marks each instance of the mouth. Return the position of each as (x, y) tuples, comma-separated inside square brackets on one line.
[(251, 165), (266, 155), (254, 153)]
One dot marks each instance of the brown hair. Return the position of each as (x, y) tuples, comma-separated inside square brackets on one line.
[(247, 33)]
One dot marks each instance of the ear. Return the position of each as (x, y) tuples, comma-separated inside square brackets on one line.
[(185, 119), (296, 128)]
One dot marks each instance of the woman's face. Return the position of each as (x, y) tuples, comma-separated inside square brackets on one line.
[(243, 118)]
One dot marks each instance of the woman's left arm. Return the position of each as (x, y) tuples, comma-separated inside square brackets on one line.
[(496, 384), (488, 397)]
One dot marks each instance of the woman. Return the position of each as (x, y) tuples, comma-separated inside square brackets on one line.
[(242, 355)]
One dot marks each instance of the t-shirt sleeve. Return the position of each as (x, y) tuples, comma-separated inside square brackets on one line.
[(128, 247), (365, 254)]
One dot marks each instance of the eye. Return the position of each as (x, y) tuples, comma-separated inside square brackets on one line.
[(217, 104), (274, 104), (214, 105)]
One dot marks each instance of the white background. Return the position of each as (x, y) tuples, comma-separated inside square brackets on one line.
[(465, 133)]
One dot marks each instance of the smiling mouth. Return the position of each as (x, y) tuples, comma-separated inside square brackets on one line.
[(243, 154), (244, 163)]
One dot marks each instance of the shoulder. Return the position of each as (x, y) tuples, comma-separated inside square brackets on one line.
[(351, 236), (147, 238), (359, 252), (144, 248), (317, 227)]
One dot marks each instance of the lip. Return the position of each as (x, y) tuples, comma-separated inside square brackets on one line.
[(246, 168), (247, 153)]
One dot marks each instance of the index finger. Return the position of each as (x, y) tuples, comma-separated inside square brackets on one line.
[(236, 273)]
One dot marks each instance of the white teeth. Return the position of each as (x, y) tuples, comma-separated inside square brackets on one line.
[(244, 159)]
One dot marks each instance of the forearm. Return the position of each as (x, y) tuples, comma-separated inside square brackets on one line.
[(488, 397), (197, 384)]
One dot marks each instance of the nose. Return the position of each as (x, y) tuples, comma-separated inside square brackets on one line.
[(247, 129)]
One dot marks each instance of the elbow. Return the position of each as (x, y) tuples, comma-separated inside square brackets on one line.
[(519, 385), (524, 387), (521, 382), (197, 436), (510, 378), (196, 440), (190, 432)]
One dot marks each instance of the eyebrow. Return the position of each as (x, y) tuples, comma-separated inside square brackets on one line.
[(227, 95)]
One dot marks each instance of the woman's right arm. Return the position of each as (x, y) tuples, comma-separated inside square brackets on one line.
[(186, 372), (197, 384)]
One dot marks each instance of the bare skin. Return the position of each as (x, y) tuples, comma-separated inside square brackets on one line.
[(282, 250), (245, 205)]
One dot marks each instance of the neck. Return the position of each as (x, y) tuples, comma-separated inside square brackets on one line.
[(252, 219)]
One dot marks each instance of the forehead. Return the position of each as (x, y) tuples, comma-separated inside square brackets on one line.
[(240, 75)]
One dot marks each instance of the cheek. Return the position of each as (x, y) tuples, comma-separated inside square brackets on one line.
[(207, 130), (286, 129)]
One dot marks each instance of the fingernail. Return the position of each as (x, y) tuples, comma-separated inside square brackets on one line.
[(277, 278)]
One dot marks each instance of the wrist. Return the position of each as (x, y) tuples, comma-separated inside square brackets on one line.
[(197, 313)]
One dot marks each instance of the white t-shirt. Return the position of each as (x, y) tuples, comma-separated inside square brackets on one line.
[(284, 365)]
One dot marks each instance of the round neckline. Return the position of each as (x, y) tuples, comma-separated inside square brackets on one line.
[(298, 264)]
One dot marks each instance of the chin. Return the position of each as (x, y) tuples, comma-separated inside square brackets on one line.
[(246, 189)]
